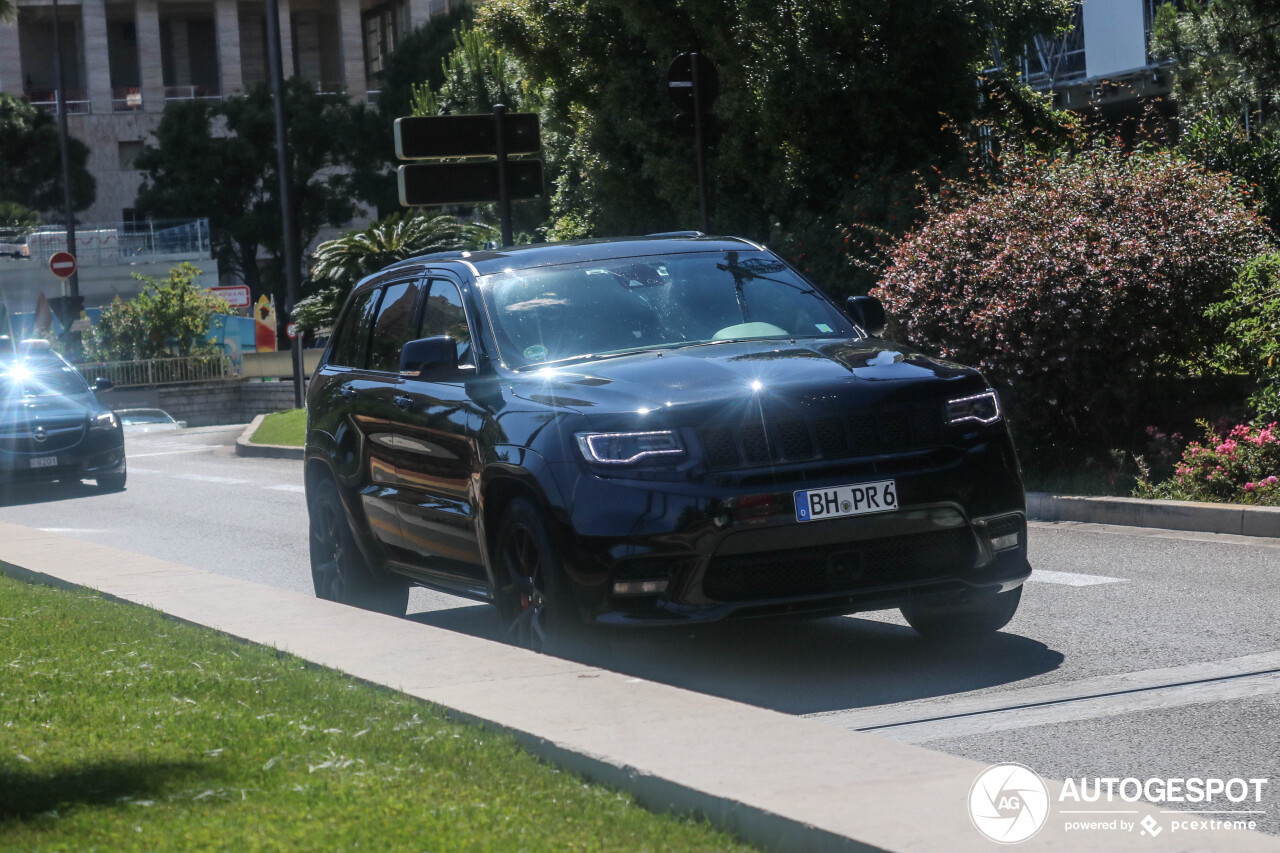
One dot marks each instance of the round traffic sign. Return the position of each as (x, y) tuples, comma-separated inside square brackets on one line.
[(680, 81), (62, 264), (291, 330)]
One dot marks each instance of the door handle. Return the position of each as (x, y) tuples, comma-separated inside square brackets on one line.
[(347, 392), (405, 403)]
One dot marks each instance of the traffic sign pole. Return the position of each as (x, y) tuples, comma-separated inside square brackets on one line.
[(504, 189), (698, 143)]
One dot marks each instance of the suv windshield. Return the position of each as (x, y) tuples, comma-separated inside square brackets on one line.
[(39, 377), (558, 313)]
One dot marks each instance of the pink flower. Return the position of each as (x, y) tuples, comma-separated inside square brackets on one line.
[(1249, 487), (1271, 481)]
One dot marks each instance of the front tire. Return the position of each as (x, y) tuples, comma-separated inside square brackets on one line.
[(963, 617), (532, 605), (339, 571)]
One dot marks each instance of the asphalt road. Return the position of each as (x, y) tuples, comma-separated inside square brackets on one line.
[(1136, 653)]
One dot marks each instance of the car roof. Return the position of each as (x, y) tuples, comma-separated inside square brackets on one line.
[(551, 254)]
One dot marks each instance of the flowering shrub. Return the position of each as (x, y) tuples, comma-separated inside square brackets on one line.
[(1071, 281), (1241, 465)]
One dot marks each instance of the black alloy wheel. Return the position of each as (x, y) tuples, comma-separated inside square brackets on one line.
[(965, 617), (534, 615), (339, 571)]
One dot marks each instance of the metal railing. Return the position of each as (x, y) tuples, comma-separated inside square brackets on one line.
[(161, 371), (192, 93), (77, 101), (155, 241)]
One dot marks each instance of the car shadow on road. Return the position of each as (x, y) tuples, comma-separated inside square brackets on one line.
[(24, 494), (796, 667)]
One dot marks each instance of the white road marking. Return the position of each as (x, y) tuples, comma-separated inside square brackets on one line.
[(204, 478), (134, 469), (289, 487), (72, 531), (1089, 698), (1072, 578), (161, 453)]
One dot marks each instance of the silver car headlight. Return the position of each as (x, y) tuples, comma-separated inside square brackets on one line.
[(625, 448), (983, 408)]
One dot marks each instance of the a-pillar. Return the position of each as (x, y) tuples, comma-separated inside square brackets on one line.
[(96, 63), (11, 82), (227, 26), (150, 67), (352, 38)]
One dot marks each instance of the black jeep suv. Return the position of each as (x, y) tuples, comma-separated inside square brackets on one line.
[(52, 425), (661, 430)]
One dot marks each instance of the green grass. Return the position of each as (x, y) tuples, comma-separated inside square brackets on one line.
[(287, 427), (123, 730)]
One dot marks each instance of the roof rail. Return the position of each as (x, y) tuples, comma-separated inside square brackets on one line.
[(677, 234)]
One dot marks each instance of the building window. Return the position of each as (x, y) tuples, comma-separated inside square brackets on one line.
[(383, 27), (129, 151)]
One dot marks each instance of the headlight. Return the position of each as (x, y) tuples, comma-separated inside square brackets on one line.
[(106, 420), (983, 408), (624, 448)]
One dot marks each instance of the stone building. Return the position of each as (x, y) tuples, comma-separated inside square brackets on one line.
[(123, 61)]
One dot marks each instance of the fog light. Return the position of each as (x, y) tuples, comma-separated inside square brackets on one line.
[(1000, 543), (640, 587)]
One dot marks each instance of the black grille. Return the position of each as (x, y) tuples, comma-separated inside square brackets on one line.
[(55, 437), (839, 568), (890, 429)]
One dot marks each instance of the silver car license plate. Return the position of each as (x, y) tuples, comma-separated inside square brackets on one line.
[(843, 501)]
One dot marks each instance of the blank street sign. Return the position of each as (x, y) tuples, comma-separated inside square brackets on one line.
[(422, 137), (426, 184)]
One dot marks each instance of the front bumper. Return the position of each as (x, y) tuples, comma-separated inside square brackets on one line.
[(721, 551), (95, 456)]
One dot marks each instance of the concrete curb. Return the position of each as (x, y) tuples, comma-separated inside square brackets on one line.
[(245, 447), (1170, 515), (779, 781)]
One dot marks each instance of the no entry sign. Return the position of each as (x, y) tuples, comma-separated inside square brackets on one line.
[(62, 264)]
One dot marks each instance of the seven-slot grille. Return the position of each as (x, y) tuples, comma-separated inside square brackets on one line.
[(861, 433)]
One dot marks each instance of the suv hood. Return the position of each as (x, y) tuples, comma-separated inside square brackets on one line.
[(61, 408), (820, 375)]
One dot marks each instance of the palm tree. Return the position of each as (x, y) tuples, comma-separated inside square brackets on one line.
[(339, 263)]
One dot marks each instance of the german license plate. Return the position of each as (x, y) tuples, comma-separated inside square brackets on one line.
[(842, 501), (44, 462)]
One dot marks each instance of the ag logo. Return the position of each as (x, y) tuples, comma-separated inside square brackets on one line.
[(1008, 803)]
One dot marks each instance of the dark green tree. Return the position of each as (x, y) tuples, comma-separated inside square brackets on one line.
[(219, 161), (30, 164), (812, 95), (167, 318)]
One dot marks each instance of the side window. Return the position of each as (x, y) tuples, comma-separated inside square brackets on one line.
[(394, 326), (352, 340), (444, 315)]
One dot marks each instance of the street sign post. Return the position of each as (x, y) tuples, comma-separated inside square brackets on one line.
[(62, 264), (693, 85), (497, 135)]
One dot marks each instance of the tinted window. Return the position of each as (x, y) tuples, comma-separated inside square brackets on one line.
[(548, 314), (349, 346), (444, 315), (394, 326)]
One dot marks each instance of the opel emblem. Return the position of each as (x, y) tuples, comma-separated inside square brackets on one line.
[(39, 434)]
